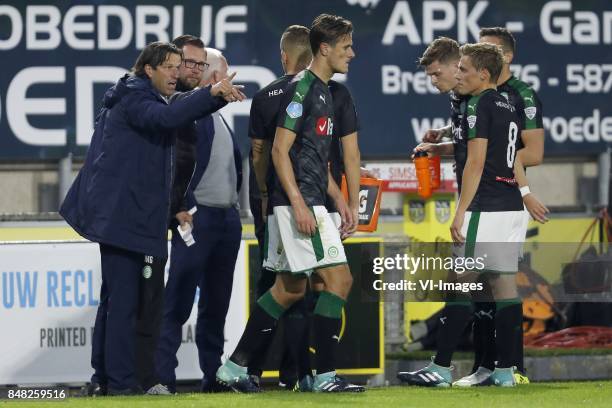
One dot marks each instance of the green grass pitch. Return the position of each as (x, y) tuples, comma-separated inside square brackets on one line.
[(560, 394)]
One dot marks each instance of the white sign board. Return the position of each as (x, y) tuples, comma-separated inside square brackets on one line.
[(48, 300)]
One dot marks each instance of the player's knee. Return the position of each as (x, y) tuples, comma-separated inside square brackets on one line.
[(318, 287), (349, 280), (291, 295), (291, 288), (345, 279), (340, 285), (286, 296)]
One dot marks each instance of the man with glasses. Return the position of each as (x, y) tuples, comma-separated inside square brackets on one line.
[(207, 201)]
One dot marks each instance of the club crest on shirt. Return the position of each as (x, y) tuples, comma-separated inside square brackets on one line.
[(294, 110), (530, 112), (471, 121)]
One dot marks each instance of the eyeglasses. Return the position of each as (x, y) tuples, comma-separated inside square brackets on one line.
[(191, 64)]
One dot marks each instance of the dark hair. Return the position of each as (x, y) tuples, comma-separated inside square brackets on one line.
[(327, 28), (506, 37), (295, 41), (442, 49), (187, 39), (485, 56), (154, 55)]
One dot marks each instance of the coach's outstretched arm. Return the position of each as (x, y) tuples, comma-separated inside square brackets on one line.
[(476, 156), (283, 140), (145, 111)]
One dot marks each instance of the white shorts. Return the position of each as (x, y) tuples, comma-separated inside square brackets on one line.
[(494, 239), (335, 216), (288, 250)]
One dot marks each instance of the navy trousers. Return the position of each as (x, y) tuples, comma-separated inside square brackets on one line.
[(97, 341), (208, 264), (129, 308)]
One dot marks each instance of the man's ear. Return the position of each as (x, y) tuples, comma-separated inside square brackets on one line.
[(149, 70), (483, 74), (508, 57), (284, 57), (324, 49)]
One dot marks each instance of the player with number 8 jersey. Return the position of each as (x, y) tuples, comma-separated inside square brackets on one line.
[(490, 116), (489, 213)]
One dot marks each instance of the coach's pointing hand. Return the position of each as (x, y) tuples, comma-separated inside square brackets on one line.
[(227, 90)]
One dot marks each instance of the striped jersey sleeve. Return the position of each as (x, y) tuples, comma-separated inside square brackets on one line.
[(477, 118), (292, 110), (531, 112)]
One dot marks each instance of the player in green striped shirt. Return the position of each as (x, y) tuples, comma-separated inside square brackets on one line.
[(301, 238)]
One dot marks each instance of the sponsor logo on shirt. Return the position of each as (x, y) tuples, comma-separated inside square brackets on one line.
[(507, 180), (324, 126), (294, 110), (275, 92), (457, 133), (471, 121), (530, 112), (321, 97), (505, 105)]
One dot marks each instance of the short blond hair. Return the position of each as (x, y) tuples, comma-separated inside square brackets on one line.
[(295, 42), (485, 56)]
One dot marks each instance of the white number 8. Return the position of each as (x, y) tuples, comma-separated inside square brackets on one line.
[(512, 137)]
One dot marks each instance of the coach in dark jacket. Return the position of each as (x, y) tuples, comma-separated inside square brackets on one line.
[(120, 198)]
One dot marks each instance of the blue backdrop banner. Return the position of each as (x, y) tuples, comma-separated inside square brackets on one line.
[(60, 56)]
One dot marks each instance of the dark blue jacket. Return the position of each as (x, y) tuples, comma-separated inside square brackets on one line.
[(205, 131), (121, 196)]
